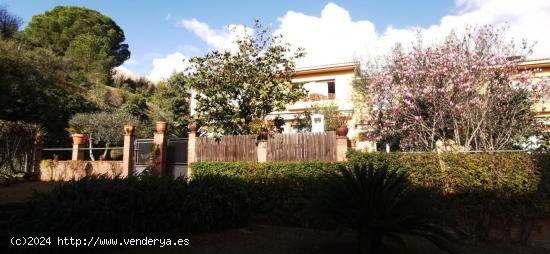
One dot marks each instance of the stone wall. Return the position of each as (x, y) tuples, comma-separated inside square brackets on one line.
[(74, 170)]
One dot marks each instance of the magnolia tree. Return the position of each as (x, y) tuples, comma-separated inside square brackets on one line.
[(468, 92)]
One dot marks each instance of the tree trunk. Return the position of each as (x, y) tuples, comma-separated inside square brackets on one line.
[(90, 146)]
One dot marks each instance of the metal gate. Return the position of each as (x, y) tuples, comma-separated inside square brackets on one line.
[(176, 156), (142, 154)]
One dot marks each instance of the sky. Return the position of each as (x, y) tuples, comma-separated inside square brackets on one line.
[(162, 34)]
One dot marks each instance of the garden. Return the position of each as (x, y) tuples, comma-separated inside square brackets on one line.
[(376, 203), (457, 115)]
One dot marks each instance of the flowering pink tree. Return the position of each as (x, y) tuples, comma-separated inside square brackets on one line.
[(469, 91)]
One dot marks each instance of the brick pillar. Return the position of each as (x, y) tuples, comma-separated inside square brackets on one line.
[(191, 152), (262, 150), (159, 139), (79, 141), (341, 148), (128, 151)]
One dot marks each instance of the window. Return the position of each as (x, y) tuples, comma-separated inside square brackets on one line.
[(331, 90)]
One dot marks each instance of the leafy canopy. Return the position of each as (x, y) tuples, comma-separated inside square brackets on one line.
[(77, 33), (9, 23), (235, 88)]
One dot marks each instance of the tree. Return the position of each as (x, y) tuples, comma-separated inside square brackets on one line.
[(9, 23), (34, 89), (85, 36), (102, 128), (170, 102), (235, 88), (468, 92), (89, 59)]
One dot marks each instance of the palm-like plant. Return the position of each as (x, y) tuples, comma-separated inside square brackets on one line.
[(380, 205)]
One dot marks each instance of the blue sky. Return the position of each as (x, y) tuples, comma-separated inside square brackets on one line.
[(170, 31)]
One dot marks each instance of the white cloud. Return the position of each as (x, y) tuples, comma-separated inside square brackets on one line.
[(334, 37), (219, 39), (165, 66)]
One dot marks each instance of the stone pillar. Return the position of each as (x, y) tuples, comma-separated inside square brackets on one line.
[(128, 154), (262, 150), (159, 140), (341, 148), (79, 141), (191, 152)]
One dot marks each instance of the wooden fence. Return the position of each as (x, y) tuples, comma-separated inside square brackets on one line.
[(302, 147), (228, 148)]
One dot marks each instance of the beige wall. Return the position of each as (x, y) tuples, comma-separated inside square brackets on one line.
[(74, 170)]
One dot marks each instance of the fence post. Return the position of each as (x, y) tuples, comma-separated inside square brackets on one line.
[(159, 140), (79, 141), (128, 151), (262, 150), (191, 144), (341, 147)]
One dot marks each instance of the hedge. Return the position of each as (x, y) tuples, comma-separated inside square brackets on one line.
[(477, 192), (281, 192), (144, 206)]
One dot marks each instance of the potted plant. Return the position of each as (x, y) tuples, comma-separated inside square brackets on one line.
[(342, 129), (263, 134), (161, 125), (77, 133), (129, 129), (193, 127), (261, 127)]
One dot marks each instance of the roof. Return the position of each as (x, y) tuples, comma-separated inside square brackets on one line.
[(536, 63), (347, 66)]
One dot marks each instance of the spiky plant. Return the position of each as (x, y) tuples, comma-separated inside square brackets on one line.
[(380, 205)]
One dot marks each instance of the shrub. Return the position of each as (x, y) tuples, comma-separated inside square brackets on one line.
[(16, 145), (134, 207), (474, 192), (280, 192), (381, 206), (478, 192)]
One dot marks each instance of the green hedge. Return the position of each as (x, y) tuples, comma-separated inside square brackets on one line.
[(135, 207), (281, 192), (477, 192)]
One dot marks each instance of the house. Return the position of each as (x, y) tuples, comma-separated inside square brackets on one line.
[(334, 84), (542, 108)]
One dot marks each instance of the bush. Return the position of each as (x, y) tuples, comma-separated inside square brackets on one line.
[(280, 192), (478, 192), (134, 207), (474, 192), (381, 206)]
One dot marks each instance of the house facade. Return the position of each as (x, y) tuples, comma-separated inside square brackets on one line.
[(333, 85)]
